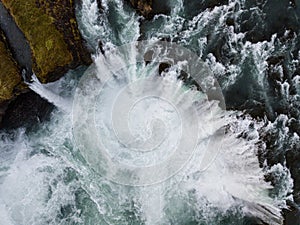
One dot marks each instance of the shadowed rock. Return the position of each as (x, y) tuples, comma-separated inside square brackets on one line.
[(27, 110)]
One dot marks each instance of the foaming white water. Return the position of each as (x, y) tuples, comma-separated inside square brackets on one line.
[(50, 92), (223, 168), (31, 192), (9, 151), (221, 175), (46, 180), (98, 26)]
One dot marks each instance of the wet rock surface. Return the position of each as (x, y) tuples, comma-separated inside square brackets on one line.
[(292, 214), (27, 110)]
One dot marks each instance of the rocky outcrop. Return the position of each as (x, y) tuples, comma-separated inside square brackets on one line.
[(16, 40), (10, 80), (149, 8), (51, 30), (26, 110), (144, 7), (38, 35)]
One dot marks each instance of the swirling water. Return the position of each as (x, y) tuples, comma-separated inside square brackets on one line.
[(46, 178)]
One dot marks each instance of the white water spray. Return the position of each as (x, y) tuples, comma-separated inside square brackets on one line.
[(60, 176)]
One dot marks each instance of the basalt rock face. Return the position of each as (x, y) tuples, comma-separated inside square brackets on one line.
[(51, 30)]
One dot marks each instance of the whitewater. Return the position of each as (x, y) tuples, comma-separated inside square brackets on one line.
[(132, 143)]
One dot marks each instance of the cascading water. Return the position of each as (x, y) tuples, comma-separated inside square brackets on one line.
[(130, 143)]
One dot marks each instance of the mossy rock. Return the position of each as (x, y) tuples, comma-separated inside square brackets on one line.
[(52, 32), (10, 76)]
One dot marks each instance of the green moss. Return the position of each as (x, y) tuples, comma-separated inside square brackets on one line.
[(9, 74), (48, 46)]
